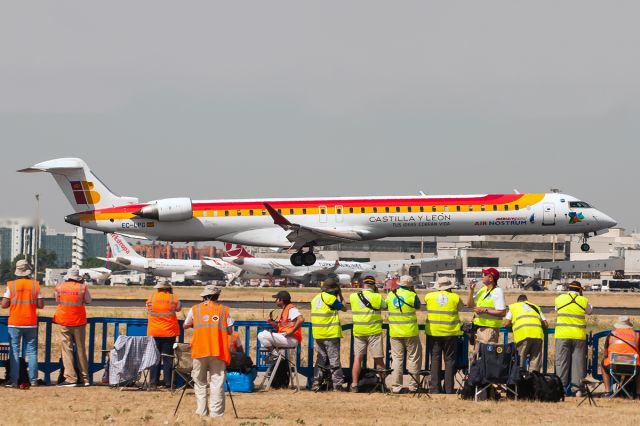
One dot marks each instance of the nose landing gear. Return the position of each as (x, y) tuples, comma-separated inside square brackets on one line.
[(299, 258), (584, 246)]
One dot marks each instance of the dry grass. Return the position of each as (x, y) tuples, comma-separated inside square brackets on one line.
[(100, 405)]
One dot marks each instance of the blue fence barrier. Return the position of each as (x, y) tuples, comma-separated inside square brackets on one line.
[(103, 331)]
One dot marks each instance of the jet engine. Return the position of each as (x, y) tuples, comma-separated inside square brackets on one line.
[(167, 210)]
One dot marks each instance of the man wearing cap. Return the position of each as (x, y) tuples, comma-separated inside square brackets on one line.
[(327, 332), (288, 326), (162, 325), (366, 307), (623, 340), (210, 349), (443, 328), (527, 323), (488, 307), (23, 297), (571, 335), (403, 331), (71, 316)]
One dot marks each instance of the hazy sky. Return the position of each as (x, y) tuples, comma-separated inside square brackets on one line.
[(255, 99)]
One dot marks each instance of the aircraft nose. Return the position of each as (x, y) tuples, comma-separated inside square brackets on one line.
[(606, 221)]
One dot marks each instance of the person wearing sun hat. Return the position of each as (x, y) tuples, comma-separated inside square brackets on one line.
[(571, 336), (402, 305), (623, 340), (366, 307), (23, 297), (71, 316), (162, 325), (443, 326), (210, 349)]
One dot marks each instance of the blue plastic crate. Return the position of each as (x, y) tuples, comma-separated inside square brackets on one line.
[(241, 382)]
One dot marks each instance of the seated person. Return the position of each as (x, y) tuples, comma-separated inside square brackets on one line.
[(288, 327), (622, 340)]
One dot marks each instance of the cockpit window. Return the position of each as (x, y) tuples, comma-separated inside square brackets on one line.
[(578, 205)]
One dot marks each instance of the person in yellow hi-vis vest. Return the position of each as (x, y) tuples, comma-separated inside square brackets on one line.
[(443, 327), (402, 305), (571, 336), (489, 308), (527, 323), (366, 307), (327, 332)]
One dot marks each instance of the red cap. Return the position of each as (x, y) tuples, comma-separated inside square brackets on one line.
[(493, 272)]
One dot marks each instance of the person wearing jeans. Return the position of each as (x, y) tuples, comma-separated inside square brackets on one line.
[(23, 297)]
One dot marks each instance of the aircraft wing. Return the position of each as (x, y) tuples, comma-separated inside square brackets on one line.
[(301, 236), (209, 266), (320, 272)]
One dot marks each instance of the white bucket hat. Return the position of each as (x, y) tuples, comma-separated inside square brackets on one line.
[(23, 268), (623, 322), (210, 290), (405, 281), (163, 284), (73, 273), (444, 283)]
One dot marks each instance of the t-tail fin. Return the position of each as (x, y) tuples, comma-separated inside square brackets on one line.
[(120, 247), (81, 187), (236, 250)]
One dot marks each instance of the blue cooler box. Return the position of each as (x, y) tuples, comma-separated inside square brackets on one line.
[(241, 382)]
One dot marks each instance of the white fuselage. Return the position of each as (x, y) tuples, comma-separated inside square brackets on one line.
[(243, 222)]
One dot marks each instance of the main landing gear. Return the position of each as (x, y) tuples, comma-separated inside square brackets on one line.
[(299, 258), (585, 247)]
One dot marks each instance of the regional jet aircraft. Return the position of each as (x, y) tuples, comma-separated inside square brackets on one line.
[(194, 269), (298, 223)]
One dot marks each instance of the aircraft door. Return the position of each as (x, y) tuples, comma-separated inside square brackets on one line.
[(339, 213), (548, 214), (322, 214)]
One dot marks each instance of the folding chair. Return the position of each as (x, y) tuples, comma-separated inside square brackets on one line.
[(500, 368), (623, 369), (283, 355), (182, 365), (130, 369)]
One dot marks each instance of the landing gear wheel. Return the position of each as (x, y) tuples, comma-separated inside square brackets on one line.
[(296, 258), (585, 247), (308, 258)]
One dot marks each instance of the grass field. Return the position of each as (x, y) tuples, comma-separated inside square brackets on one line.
[(103, 406)]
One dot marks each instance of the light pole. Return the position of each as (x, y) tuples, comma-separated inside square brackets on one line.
[(36, 244)]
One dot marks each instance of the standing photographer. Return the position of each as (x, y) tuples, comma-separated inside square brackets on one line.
[(327, 332)]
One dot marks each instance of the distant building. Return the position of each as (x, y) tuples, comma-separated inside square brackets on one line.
[(169, 251), (16, 237)]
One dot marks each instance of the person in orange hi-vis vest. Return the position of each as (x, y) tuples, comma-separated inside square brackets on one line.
[(163, 327), (623, 339), (23, 297), (288, 327), (71, 315), (210, 349)]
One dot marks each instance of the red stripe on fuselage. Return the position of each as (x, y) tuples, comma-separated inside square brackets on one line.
[(356, 202)]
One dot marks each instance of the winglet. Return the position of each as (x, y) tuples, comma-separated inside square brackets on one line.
[(278, 219)]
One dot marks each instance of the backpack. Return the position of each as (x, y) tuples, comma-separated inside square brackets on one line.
[(281, 376), (23, 375), (241, 362), (367, 380), (547, 387), (525, 387)]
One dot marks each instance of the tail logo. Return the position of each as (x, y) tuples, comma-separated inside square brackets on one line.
[(236, 250), (83, 193), (119, 244)]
